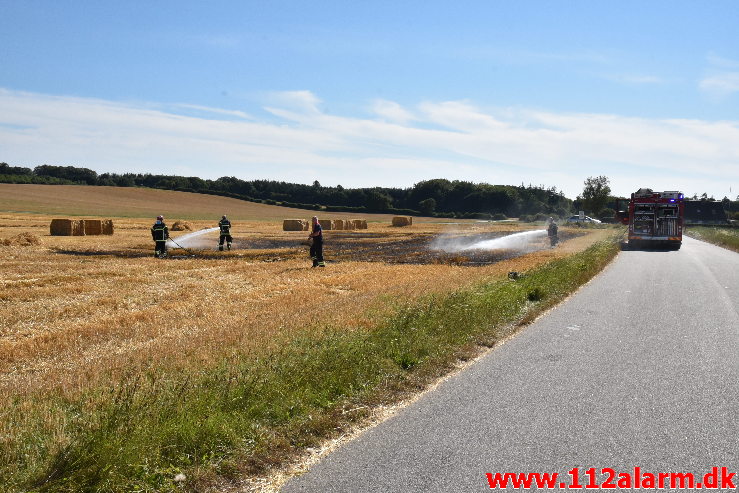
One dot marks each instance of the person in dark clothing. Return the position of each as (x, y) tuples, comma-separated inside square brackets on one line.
[(552, 232), (316, 247), (225, 226), (160, 235)]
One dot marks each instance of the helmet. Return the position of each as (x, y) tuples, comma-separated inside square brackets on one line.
[(224, 217), (160, 218)]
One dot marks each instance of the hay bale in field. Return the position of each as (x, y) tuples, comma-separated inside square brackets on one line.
[(326, 224), (107, 226), (308, 225), (67, 227), (61, 227), (78, 227), (349, 224), (181, 226), (93, 226), (294, 225), (22, 239), (402, 221), (360, 223), (339, 224)]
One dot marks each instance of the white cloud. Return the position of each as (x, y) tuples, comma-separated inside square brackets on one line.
[(635, 79), (218, 111), (722, 79), (296, 101), (721, 85), (397, 147), (722, 62), (391, 111)]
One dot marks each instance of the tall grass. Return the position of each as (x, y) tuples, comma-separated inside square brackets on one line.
[(724, 236), (254, 409)]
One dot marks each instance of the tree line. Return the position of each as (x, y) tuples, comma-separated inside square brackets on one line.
[(437, 197), (430, 197)]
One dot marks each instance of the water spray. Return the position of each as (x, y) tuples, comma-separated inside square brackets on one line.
[(184, 239), (186, 249), (516, 241)]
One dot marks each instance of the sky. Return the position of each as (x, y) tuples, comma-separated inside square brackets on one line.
[(378, 93)]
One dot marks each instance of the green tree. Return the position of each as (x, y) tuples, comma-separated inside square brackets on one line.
[(595, 194), (427, 206), (378, 201)]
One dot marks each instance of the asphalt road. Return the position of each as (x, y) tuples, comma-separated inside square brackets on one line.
[(639, 368)]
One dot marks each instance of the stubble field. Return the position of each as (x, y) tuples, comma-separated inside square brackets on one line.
[(81, 314)]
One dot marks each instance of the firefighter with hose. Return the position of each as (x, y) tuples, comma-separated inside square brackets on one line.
[(316, 246), (160, 235), (552, 232), (225, 226)]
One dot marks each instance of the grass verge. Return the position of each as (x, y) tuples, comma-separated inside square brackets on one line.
[(255, 411), (723, 236)]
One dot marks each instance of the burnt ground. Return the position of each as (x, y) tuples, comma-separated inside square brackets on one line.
[(395, 248), (344, 246)]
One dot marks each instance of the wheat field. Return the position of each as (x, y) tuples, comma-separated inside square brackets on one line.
[(80, 310), (83, 313)]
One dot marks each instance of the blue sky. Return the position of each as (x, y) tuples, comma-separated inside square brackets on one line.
[(378, 93)]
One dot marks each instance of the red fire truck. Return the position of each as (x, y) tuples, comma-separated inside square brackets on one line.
[(654, 218)]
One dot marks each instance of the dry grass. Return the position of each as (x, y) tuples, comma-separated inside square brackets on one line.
[(82, 313), (79, 311), (80, 200), (22, 239)]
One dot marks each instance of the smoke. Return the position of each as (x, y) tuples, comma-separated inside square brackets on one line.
[(525, 241), (194, 240)]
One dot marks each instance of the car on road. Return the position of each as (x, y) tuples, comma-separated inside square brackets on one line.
[(587, 219)]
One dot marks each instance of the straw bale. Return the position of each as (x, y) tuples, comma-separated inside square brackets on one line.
[(349, 224), (67, 227), (307, 225), (107, 226), (294, 225), (402, 221), (78, 227), (181, 226), (93, 226), (338, 224), (61, 227), (326, 224), (22, 239), (360, 223)]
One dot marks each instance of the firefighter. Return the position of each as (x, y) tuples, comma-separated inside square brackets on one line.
[(160, 235), (225, 226), (552, 232), (316, 246)]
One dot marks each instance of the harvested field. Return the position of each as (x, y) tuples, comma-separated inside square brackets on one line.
[(81, 310), (81, 314), (22, 239)]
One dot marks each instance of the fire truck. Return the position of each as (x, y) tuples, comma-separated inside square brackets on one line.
[(654, 218)]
